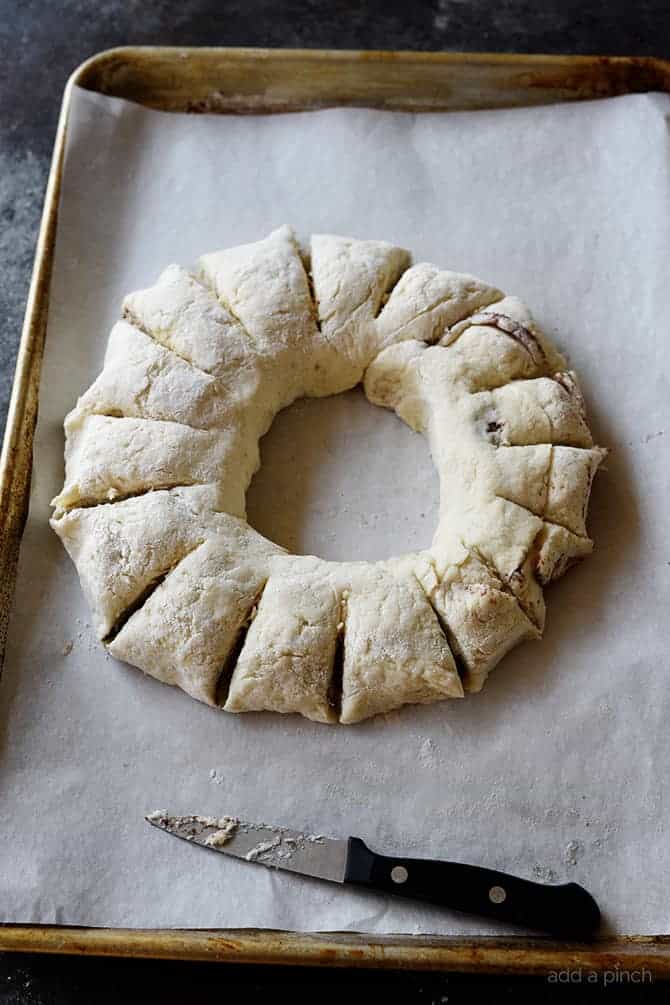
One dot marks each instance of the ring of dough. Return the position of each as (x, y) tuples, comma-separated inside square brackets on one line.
[(161, 449)]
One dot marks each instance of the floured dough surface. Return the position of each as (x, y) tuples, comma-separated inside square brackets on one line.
[(161, 448)]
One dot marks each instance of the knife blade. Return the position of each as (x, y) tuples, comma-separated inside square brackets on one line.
[(276, 847), (566, 910)]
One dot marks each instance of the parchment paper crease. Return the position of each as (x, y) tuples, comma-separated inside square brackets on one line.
[(559, 769)]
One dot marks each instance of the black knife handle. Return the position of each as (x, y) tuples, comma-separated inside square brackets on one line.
[(567, 910)]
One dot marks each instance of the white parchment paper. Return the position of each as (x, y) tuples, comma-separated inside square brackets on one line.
[(559, 769)]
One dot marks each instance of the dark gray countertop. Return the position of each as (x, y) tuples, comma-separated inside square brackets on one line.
[(40, 44)]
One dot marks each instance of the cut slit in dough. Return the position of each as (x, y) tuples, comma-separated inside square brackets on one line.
[(120, 549), (108, 458), (143, 380), (527, 412), (351, 279), (287, 660), (484, 619), (427, 300), (188, 627), (162, 446), (554, 482), (394, 649)]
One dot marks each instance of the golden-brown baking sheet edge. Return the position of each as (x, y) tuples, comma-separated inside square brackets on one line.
[(248, 81)]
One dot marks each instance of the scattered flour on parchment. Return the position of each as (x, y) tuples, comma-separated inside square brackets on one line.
[(543, 874), (428, 753), (84, 638), (573, 852)]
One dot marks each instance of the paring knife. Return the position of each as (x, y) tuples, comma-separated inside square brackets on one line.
[(567, 910)]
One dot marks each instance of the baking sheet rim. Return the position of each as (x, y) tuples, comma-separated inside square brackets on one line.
[(487, 954)]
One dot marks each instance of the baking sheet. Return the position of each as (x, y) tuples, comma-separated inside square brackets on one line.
[(558, 769)]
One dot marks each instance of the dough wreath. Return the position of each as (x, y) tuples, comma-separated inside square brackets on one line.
[(161, 448)]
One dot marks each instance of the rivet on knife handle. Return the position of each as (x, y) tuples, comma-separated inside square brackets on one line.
[(567, 910)]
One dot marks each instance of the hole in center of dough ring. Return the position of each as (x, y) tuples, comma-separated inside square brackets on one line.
[(345, 480)]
